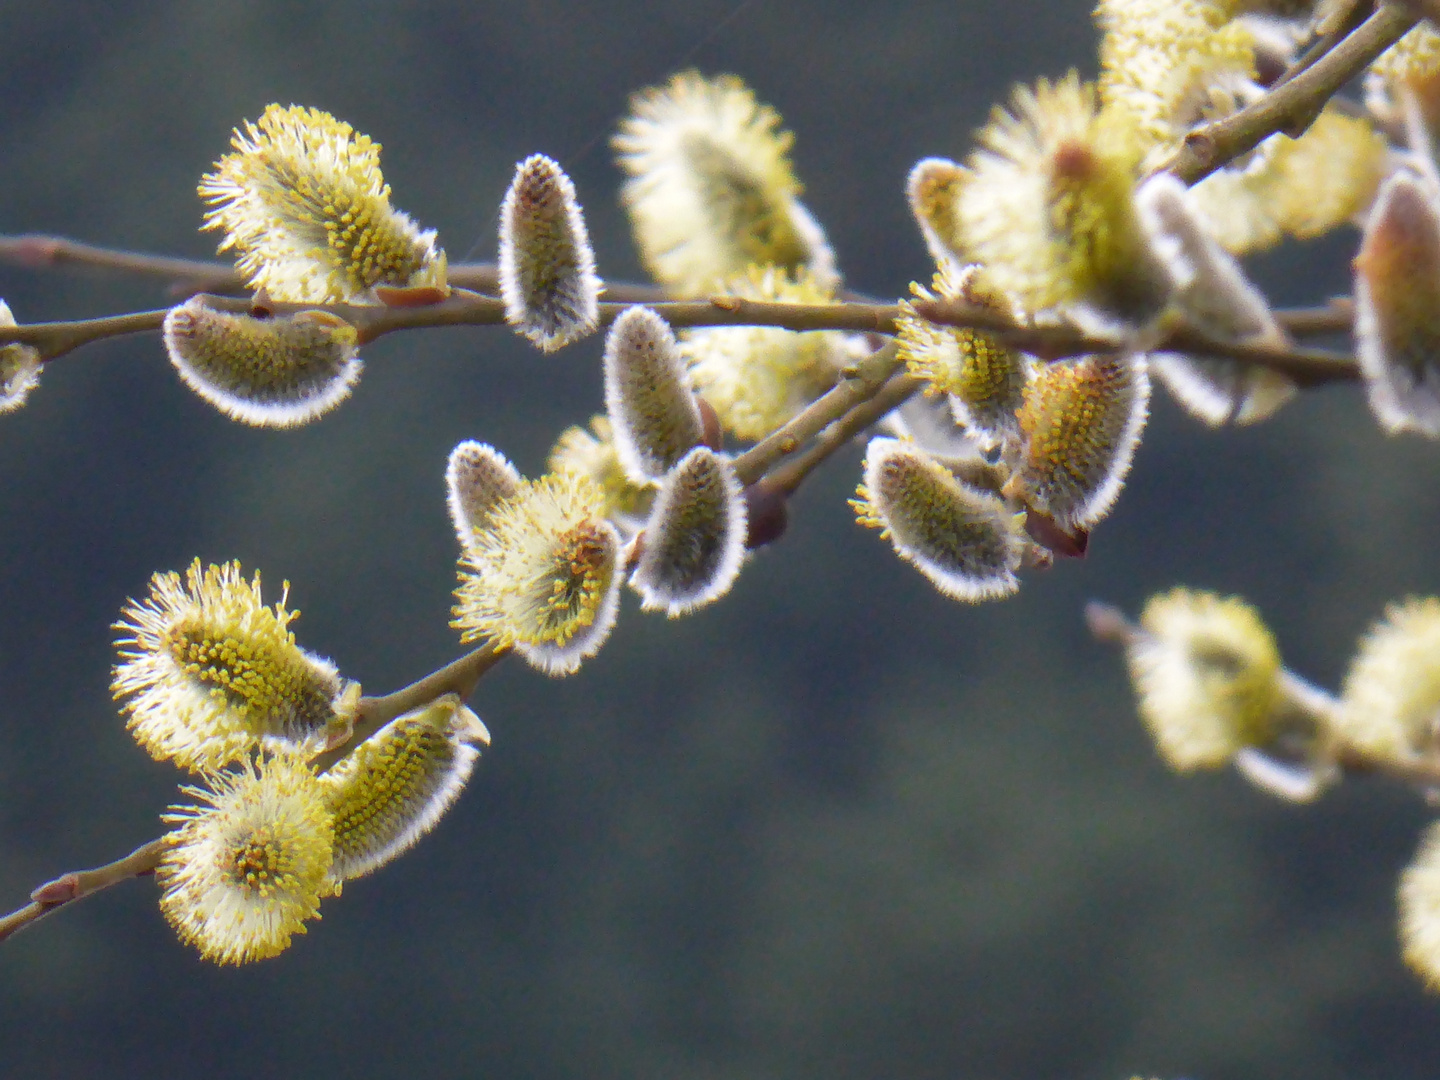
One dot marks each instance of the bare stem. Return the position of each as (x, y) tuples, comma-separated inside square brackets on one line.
[(189, 276), (857, 384), (79, 884), (458, 677), (788, 477), (1293, 107)]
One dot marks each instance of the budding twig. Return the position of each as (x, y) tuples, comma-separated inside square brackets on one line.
[(1294, 106), (79, 884), (459, 677), (891, 395)]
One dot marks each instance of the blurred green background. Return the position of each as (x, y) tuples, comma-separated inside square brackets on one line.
[(832, 826)]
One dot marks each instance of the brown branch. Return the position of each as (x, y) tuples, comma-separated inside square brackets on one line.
[(190, 276), (1293, 107), (1425, 9), (1337, 316), (788, 477), (858, 384), (458, 677), (79, 884), (1308, 367)]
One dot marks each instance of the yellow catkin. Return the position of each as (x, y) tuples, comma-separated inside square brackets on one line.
[(250, 862), (303, 203)]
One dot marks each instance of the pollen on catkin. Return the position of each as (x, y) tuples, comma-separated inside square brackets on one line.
[(591, 453), (965, 541), (280, 371), (1171, 64), (250, 862), (1390, 702), (304, 204), (1207, 673), (711, 189), (1048, 209), (758, 377), (207, 672), (1397, 307), (544, 574), (547, 267), (1081, 422), (1216, 298), (392, 789), (19, 368), (477, 479), (983, 379), (1419, 900), (933, 190), (652, 410), (695, 536)]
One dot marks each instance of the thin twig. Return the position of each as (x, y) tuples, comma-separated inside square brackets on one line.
[(79, 884), (1294, 106), (788, 477), (189, 276), (459, 677), (1308, 367), (857, 385)]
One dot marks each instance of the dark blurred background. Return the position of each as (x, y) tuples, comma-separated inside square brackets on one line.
[(834, 826)]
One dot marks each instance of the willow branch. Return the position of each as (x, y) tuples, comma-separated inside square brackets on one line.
[(1427, 9), (1109, 625), (189, 276), (79, 884), (1308, 367), (894, 393), (459, 677), (1293, 107), (858, 384)]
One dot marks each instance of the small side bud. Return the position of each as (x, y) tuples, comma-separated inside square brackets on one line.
[(652, 411), (965, 541), (767, 514), (547, 269), (477, 478), (1081, 422), (695, 536), (1217, 299), (272, 372), (393, 788), (933, 189), (19, 368), (1397, 307)]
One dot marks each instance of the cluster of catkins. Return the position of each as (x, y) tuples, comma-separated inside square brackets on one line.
[(212, 679), (1212, 690)]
